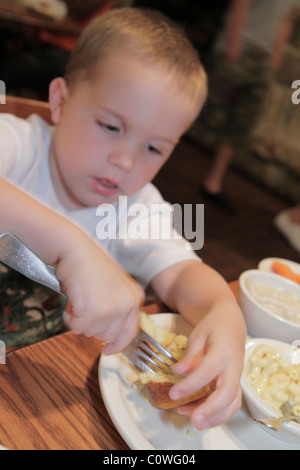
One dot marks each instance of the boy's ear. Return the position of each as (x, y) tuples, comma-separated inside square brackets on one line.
[(58, 93)]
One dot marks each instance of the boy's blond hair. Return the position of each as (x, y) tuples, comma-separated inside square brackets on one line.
[(144, 33)]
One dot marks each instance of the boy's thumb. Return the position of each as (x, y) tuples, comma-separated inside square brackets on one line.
[(188, 363)]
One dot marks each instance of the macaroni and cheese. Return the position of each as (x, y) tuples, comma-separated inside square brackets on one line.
[(274, 379)]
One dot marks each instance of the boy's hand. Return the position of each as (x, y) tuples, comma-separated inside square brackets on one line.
[(213, 356), (105, 300), (216, 346)]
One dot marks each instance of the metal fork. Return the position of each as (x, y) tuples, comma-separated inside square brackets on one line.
[(276, 423), (148, 355)]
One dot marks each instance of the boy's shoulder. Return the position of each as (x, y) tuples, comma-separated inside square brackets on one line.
[(33, 120), (23, 144), (32, 132), (31, 125)]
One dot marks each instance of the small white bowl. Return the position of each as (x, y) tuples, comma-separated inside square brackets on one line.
[(258, 408), (263, 323), (266, 265)]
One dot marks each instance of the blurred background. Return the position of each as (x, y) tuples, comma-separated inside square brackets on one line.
[(36, 39)]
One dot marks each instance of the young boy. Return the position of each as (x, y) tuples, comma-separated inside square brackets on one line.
[(133, 86)]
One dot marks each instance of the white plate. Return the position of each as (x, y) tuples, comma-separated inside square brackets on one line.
[(144, 427), (266, 265)]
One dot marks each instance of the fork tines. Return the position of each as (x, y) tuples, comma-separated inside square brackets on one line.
[(148, 355)]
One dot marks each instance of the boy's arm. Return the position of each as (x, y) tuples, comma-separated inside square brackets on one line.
[(89, 277), (236, 20), (216, 346), (36, 225), (282, 37), (192, 288)]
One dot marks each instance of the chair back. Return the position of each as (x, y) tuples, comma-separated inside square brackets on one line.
[(24, 107)]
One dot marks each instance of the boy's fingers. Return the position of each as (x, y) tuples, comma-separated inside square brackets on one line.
[(224, 396), (221, 404), (213, 412), (215, 363), (127, 335), (202, 421), (192, 357), (83, 325), (188, 363), (109, 324), (202, 374)]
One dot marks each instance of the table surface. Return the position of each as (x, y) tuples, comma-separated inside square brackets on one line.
[(50, 397), (13, 13)]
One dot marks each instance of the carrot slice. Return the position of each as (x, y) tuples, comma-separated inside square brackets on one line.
[(284, 270)]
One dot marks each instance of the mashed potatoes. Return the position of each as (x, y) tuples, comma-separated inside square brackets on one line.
[(282, 302)]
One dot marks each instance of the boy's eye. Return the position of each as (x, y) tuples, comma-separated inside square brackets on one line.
[(153, 149), (112, 128), (108, 127)]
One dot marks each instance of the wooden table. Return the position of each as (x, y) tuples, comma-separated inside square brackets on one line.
[(12, 13), (50, 396)]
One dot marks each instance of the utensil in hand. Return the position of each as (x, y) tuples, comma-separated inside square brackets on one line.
[(19, 257), (286, 408), (276, 423), (148, 355)]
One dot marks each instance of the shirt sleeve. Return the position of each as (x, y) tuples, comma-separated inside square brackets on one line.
[(19, 141), (10, 149)]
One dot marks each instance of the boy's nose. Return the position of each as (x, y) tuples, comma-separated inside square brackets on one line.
[(124, 160)]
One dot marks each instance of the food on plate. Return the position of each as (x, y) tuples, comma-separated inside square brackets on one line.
[(284, 270), (275, 380), (282, 302), (159, 384)]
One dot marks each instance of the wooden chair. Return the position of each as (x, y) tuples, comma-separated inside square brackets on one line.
[(24, 107)]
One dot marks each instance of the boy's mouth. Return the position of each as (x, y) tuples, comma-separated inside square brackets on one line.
[(105, 186)]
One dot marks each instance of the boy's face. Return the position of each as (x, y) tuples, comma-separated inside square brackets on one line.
[(115, 131)]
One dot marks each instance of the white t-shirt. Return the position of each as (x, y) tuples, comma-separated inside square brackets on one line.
[(24, 161)]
